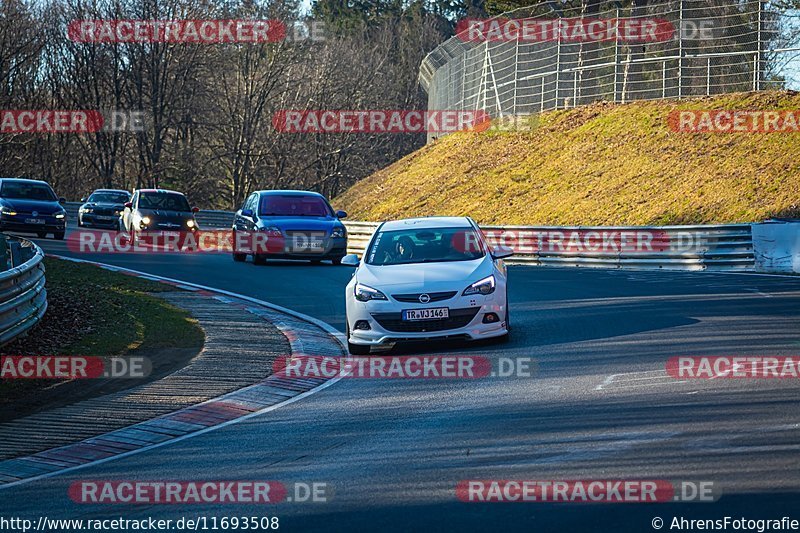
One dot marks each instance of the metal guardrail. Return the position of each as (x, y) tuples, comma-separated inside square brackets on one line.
[(715, 247), (23, 297)]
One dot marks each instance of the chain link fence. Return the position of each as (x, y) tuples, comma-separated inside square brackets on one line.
[(513, 65)]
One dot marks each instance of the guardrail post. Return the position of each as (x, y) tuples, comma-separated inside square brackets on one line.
[(3, 253)]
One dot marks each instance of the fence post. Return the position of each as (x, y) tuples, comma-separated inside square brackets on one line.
[(616, 61), (464, 82), (541, 103), (680, 49), (3, 253), (516, 77), (708, 76), (558, 68), (664, 79), (574, 88), (757, 62)]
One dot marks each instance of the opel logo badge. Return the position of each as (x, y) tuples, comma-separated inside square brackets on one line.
[(424, 298), (35, 213)]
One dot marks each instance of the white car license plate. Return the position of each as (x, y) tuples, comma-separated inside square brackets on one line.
[(34, 221), (104, 217), (426, 314)]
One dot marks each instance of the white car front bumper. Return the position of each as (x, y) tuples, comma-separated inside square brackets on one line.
[(466, 320)]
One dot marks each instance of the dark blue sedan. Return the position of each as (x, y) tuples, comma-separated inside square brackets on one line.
[(295, 224), (31, 206)]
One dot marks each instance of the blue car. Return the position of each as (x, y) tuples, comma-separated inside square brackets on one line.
[(296, 224), (31, 206)]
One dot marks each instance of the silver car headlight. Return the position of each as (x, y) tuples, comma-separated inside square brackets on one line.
[(365, 293), (484, 286), (337, 232)]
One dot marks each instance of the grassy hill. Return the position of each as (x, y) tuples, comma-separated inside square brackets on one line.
[(602, 164)]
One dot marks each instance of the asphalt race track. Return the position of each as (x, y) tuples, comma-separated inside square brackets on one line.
[(599, 406)]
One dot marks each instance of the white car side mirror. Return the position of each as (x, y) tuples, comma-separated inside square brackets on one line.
[(502, 252), (351, 260)]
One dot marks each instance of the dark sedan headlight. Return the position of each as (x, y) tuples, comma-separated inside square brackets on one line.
[(364, 293), (61, 215), (338, 232), (484, 286), (7, 211), (272, 231), (84, 210)]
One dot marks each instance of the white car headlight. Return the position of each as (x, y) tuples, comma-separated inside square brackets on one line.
[(145, 220), (60, 215), (484, 286), (190, 223), (364, 293)]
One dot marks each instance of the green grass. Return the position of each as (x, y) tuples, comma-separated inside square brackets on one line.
[(123, 316), (96, 312), (601, 164)]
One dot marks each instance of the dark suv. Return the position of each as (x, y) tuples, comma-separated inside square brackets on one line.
[(158, 210), (31, 206)]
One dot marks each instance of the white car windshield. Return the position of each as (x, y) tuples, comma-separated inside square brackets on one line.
[(435, 245)]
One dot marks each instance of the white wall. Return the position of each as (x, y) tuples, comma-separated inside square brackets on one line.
[(776, 246)]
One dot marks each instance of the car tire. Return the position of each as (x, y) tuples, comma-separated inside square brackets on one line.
[(355, 349), (41, 234), (336, 261), (259, 259), (239, 257), (59, 235), (316, 261)]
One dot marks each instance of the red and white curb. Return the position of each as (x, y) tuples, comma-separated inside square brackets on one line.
[(306, 336)]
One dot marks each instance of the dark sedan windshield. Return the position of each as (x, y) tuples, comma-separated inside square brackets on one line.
[(20, 190), (425, 246), (293, 205), (168, 201), (109, 197)]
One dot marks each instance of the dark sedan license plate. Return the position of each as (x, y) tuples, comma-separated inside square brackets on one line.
[(426, 314), (34, 221), (303, 244)]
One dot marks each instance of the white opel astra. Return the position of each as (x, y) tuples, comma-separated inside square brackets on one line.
[(426, 278)]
